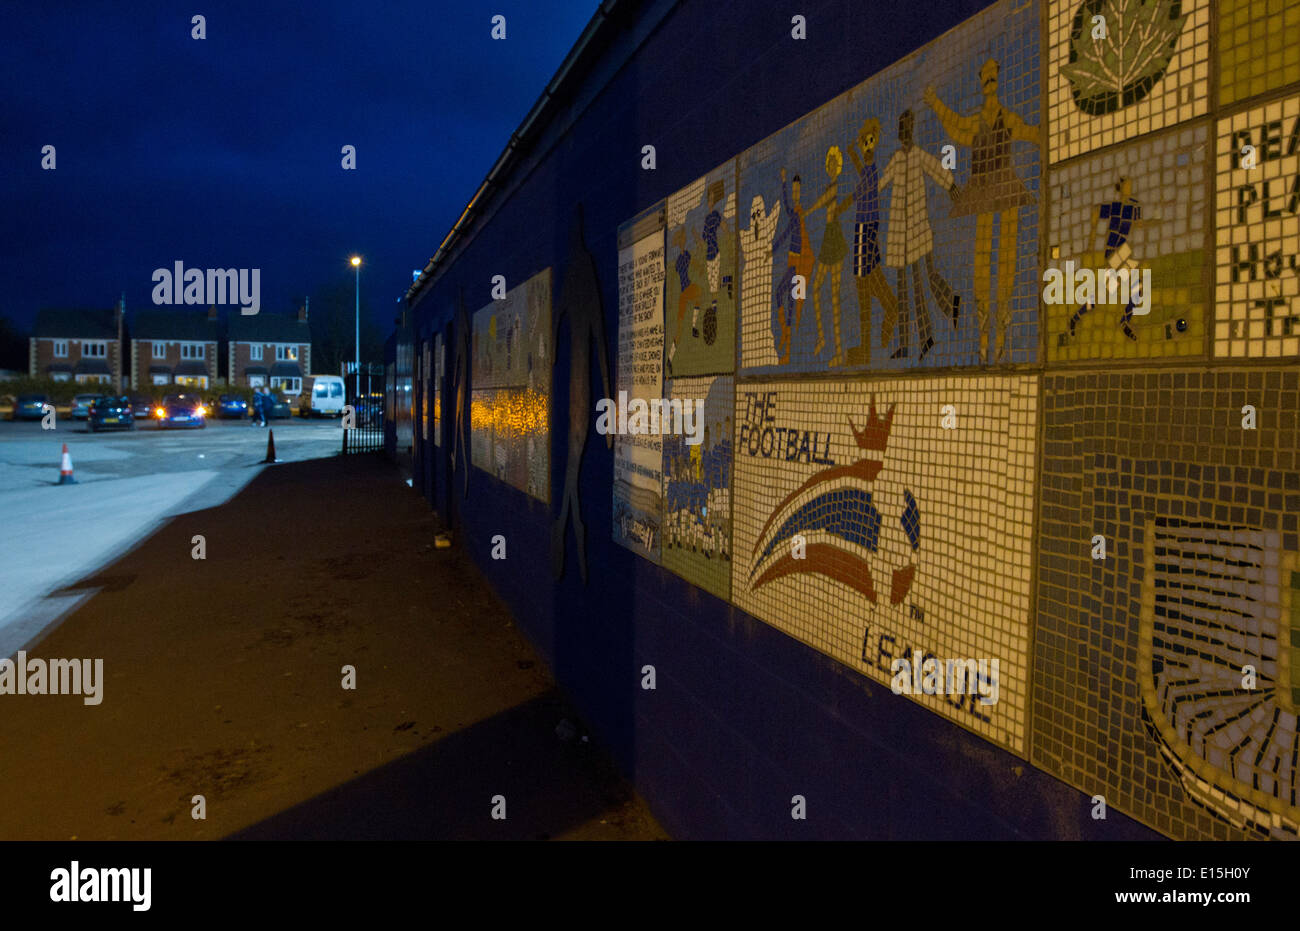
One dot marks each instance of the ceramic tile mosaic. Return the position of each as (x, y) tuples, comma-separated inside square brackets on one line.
[(700, 299), (1258, 51), (909, 208), (426, 388), (639, 381), (1131, 210), (512, 338), (435, 404), (1138, 691), (914, 537), (510, 396), (510, 437), (697, 487), (1149, 71), (1257, 296)]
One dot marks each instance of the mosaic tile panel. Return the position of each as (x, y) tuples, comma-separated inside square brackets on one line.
[(511, 338), (639, 379), (1258, 51), (510, 400), (1132, 210), (1138, 690), (909, 208), (697, 487), (426, 389), (439, 368), (700, 320), (915, 537), (1148, 71), (1257, 296)]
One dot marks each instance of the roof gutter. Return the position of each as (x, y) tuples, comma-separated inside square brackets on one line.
[(535, 120)]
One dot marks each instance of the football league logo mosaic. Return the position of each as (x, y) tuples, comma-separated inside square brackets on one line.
[(888, 523)]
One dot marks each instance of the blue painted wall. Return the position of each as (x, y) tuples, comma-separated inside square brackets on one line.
[(744, 716)]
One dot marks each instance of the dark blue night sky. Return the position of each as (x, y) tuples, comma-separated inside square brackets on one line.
[(226, 152)]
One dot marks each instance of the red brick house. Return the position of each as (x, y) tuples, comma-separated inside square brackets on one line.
[(73, 344), (175, 347), (270, 349)]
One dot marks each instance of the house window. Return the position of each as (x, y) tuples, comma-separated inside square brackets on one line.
[(192, 381), (93, 379), (60, 349), (255, 353), (192, 350), (286, 353), (61, 376), (159, 350), (287, 385), (162, 379), (256, 381), (94, 349)]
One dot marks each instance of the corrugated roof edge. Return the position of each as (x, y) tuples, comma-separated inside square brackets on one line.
[(603, 15)]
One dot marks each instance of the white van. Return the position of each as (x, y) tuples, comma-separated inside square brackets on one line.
[(326, 397)]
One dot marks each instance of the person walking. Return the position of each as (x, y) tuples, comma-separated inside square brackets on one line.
[(259, 407)]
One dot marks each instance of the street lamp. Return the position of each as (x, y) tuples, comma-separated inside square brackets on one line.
[(356, 263)]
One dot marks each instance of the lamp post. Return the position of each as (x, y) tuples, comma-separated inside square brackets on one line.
[(356, 264)]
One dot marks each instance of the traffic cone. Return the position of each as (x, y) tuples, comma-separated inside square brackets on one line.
[(270, 448), (65, 468)]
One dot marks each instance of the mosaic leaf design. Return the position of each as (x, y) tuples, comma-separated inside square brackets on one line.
[(1109, 74)]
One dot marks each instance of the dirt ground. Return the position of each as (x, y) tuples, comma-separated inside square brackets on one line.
[(223, 678)]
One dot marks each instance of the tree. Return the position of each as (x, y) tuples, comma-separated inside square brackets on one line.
[(332, 322), (13, 346)]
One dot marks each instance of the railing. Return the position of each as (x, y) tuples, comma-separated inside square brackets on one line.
[(363, 418)]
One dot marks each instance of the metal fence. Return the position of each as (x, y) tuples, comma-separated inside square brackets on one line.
[(363, 425)]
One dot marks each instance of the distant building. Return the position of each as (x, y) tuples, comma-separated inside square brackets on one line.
[(180, 347), (269, 349), (76, 344)]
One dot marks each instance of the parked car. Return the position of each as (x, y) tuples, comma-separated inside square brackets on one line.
[(81, 405), (29, 407), (326, 398), (142, 407), (369, 409), (111, 413), (232, 405), (181, 410), (280, 406)]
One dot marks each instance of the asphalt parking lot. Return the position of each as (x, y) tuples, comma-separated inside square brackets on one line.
[(127, 483)]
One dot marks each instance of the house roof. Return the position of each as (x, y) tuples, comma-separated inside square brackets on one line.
[(191, 368), (92, 367), (74, 323), (182, 325), (267, 328), (286, 369)]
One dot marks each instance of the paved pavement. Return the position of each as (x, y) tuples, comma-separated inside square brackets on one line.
[(223, 677), (127, 482)]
